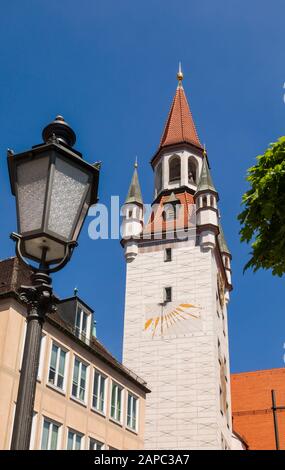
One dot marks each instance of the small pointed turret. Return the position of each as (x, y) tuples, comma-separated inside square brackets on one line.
[(134, 194), (222, 241), (206, 198), (132, 212), (205, 181)]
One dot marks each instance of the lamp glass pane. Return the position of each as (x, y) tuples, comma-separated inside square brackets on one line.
[(31, 181), (68, 189)]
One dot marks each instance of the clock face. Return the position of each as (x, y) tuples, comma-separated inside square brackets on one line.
[(172, 319)]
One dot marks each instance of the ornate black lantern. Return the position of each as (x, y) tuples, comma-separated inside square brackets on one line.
[(54, 188)]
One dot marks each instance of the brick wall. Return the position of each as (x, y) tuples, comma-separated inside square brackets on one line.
[(252, 407)]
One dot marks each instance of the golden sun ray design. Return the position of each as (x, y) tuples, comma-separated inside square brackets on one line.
[(166, 321)]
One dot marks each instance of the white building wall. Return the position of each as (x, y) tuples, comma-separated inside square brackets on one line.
[(181, 365)]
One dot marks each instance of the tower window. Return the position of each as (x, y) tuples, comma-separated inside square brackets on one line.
[(212, 201), (204, 201), (174, 170), (130, 214), (158, 178), (168, 254), (167, 294), (191, 171)]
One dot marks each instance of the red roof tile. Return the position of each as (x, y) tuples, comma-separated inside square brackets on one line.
[(180, 126), (183, 220)]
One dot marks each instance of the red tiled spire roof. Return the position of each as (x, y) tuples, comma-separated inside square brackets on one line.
[(180, 125)]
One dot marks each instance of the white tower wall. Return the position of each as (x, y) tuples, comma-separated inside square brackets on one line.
[(181, 363)]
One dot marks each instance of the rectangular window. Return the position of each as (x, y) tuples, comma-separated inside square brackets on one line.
[(57, 366), (116, 402), (168, 254), (79, 380), (81, 323), (99, 387), (168, 294), (95, 445), (50, 435), (132, 412), (74, 440)]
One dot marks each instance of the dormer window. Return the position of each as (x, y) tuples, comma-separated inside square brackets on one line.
[(174, 170), (82, 323)]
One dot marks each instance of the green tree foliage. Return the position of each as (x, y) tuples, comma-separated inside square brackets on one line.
[(263, 218)]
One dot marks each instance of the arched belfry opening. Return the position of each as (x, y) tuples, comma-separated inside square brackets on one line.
[(192, 171), (174, 169)]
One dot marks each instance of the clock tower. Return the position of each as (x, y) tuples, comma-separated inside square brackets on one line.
[(178, 281)]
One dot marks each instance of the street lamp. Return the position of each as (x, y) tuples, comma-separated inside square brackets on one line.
[(54, 188)]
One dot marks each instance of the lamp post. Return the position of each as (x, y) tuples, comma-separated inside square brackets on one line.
[(54, 188)]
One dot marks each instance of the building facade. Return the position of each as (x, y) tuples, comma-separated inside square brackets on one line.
[(178, 281), (85, 398)]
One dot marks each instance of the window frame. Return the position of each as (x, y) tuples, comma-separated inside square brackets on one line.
[(53, 423), (192, 165), (101, 374), (79, 333), (168, 251), (171, 179), (158, 177), (61, 348), (90, 439), (77, 396), (75, 433), (167, 298), (136, 398), (120, 420)]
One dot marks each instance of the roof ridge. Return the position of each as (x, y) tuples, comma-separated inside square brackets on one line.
[(259, 371)]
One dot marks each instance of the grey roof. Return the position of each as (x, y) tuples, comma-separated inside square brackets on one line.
[(205, 182), (134, 194), (222, 241)]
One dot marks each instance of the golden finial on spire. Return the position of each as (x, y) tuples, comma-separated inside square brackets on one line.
[(179, 75), (136, 162), (204, 151)]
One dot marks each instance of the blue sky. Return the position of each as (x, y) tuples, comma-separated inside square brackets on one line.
[(109, 67)]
